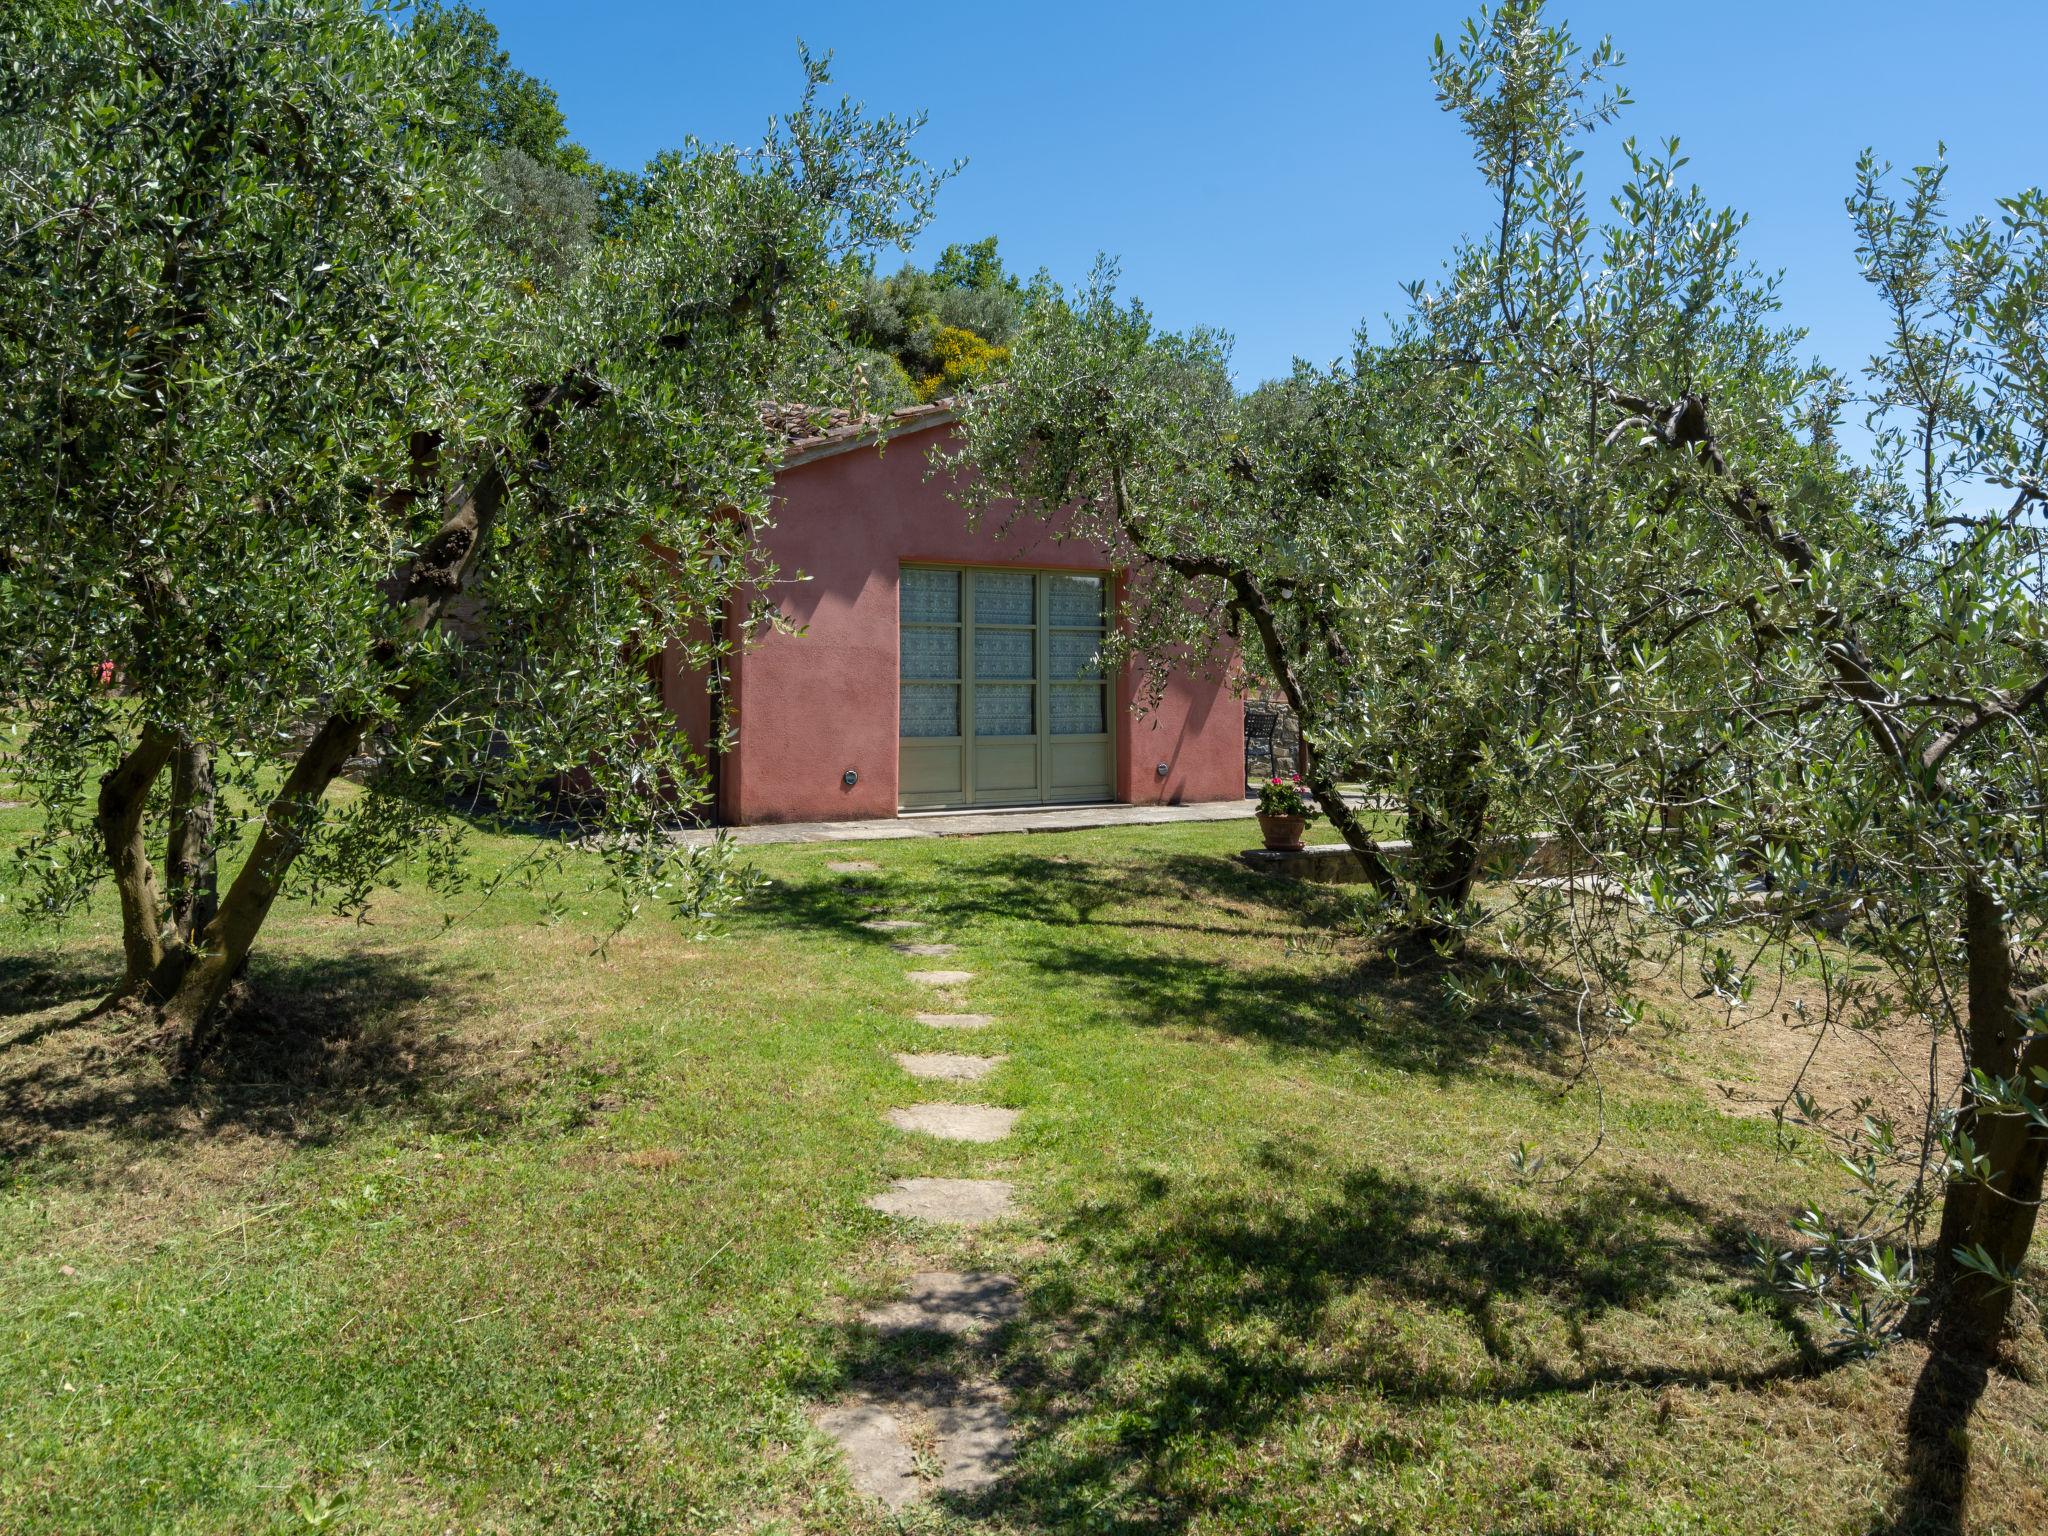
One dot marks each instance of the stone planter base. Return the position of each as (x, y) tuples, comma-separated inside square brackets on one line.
[(1324, 864), (1335, 864)]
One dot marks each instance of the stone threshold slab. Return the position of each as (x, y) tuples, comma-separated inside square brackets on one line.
[(973, 823)]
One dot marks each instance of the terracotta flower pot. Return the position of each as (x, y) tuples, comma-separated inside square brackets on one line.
[(1282, 833)]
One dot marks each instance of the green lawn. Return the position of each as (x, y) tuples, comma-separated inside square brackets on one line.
[(485, 1231)]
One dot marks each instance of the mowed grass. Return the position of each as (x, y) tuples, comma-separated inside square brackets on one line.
[(488, 1230)]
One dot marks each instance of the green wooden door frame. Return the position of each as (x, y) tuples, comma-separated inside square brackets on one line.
[(947, 772)]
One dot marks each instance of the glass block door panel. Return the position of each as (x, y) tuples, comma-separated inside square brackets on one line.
[(1075, 655), (930, 709), (1074, 602), (930, 654), (1004, 655), (1005, 597), (1076, 616), (1003, 709), (1078, 711), (932, 754), (1003, 692), (930, 597), (930, 689)]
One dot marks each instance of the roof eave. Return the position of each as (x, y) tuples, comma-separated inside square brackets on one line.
[(807, 453)]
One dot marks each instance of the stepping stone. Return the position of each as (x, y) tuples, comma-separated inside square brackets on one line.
[(941, 978), (947, 1202), (946, 1301), (872, 1434), (948, 1067), (955, 1122), (853, 867), (957, 1020), (926, 951), (970, 1423), (891, 924), (976, 1442)]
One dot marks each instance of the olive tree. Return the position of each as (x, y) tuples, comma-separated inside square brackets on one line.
[(1830, 713), (1415, 544), (1231, 514), (300, 470), (1814, 688), (1874, 740)]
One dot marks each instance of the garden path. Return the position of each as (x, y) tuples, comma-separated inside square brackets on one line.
[(958, 1408)]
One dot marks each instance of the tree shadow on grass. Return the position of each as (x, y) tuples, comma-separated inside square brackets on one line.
[(1391, 1009), (1931, 1501), (314, 1047), (30, 986), (1059, 890), (1189, 1328)]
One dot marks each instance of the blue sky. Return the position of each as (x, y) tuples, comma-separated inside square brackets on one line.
[(1278, 170)]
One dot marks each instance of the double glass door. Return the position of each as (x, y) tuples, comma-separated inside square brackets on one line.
[(1003, 699)]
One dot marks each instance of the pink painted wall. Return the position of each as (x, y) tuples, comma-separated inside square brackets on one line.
[(1196, 734), (812, 705)]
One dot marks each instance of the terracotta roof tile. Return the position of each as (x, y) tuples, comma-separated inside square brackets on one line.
[(807, 428)]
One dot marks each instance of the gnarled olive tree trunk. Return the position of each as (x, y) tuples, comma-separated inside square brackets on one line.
[(188, 843), (123, 806), (181, 962), (1972, 1312), (1447, 831)]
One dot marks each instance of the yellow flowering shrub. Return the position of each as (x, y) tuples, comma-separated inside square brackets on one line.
[(962, 357)]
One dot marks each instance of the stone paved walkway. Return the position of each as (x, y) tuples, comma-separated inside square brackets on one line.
[(946, 1301), (949, 1403), (1051, 818), (874, 1437)]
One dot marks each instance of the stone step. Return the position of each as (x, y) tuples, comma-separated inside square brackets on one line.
[(947, 1202), (976, 1440), (955, 1122), (876, 1443), (948, 1302), (945, 1066), (957, 1020), (891, 924), (926, 951), (853, 867), (970, 1423), (941, 978)]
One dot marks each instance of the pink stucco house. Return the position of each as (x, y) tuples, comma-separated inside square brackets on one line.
[(938, 666)]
